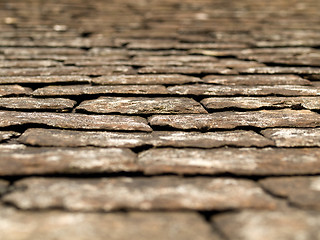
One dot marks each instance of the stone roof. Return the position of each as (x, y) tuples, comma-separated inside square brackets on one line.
[(160, 120)]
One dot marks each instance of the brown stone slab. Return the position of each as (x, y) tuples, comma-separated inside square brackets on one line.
[(260, 225), (229, 120), (59, 225), (145, 79), (5, 135), (6, 90), (30, 161), (157, 193), (40, 51), (243, 161), (281, 70), (256, 80), (69, 138), (175, 58), (74, 120), (294, 137), (206, 89), (142, 105), (37, 103), (262, 102), (3, 186), (28, 63), (303, 192), (75, 90), (44, 79), (185, 70)]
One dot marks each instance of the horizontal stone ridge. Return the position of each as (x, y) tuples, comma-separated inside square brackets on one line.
[(243, 161), (74, 120), (130, 105), (156, 193), (230, 120), (69, 138)]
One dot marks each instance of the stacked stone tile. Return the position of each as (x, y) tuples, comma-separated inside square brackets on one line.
[(159, 120)]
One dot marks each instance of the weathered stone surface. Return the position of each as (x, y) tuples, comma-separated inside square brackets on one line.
[(63, 160), (262, 102), (28, 63), (45, 79), (229, 120), (281, 70), (89, 90), (37, 103), (289, 224), (59, 225), (300, 191), (185, 70), (206, 89), (3, 186), (142, 105), (74, 120), (68, 138), (166, 193), (5, 135), (6, 90), (244, 161), (256, 80), (146, 79), (294, 137)]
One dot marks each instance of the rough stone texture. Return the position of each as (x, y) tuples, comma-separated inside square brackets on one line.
[(3, 186), (256, 80), (5, 135), (37, 103), (146, 79), (74, 120), (262, 102), (6, 90), (68, 138), (28, 63), (281, 70), (63, 160), (44, 79), (130, 105), (185, 70), (59, 225), (90, 90), (291, 224), (243, 161), (282, 90), (303, 192), (229, 120), (167, 193), (294, 137)]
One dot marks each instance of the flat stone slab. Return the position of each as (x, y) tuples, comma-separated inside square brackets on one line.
[(69, 138), (281, 70), (142, 105), (74, 120), (66, 160), (255, 80), (294, 137), (5, 135), (261, 102), (303, 192), (44, 79), (157, 193), (215, 90), (6, 90), (241, 161), (229, 120), (59, 225), (28, 63), (185, 70), (260, 225), (3, 186), (147, 79), (77, 90), (36, 103)]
